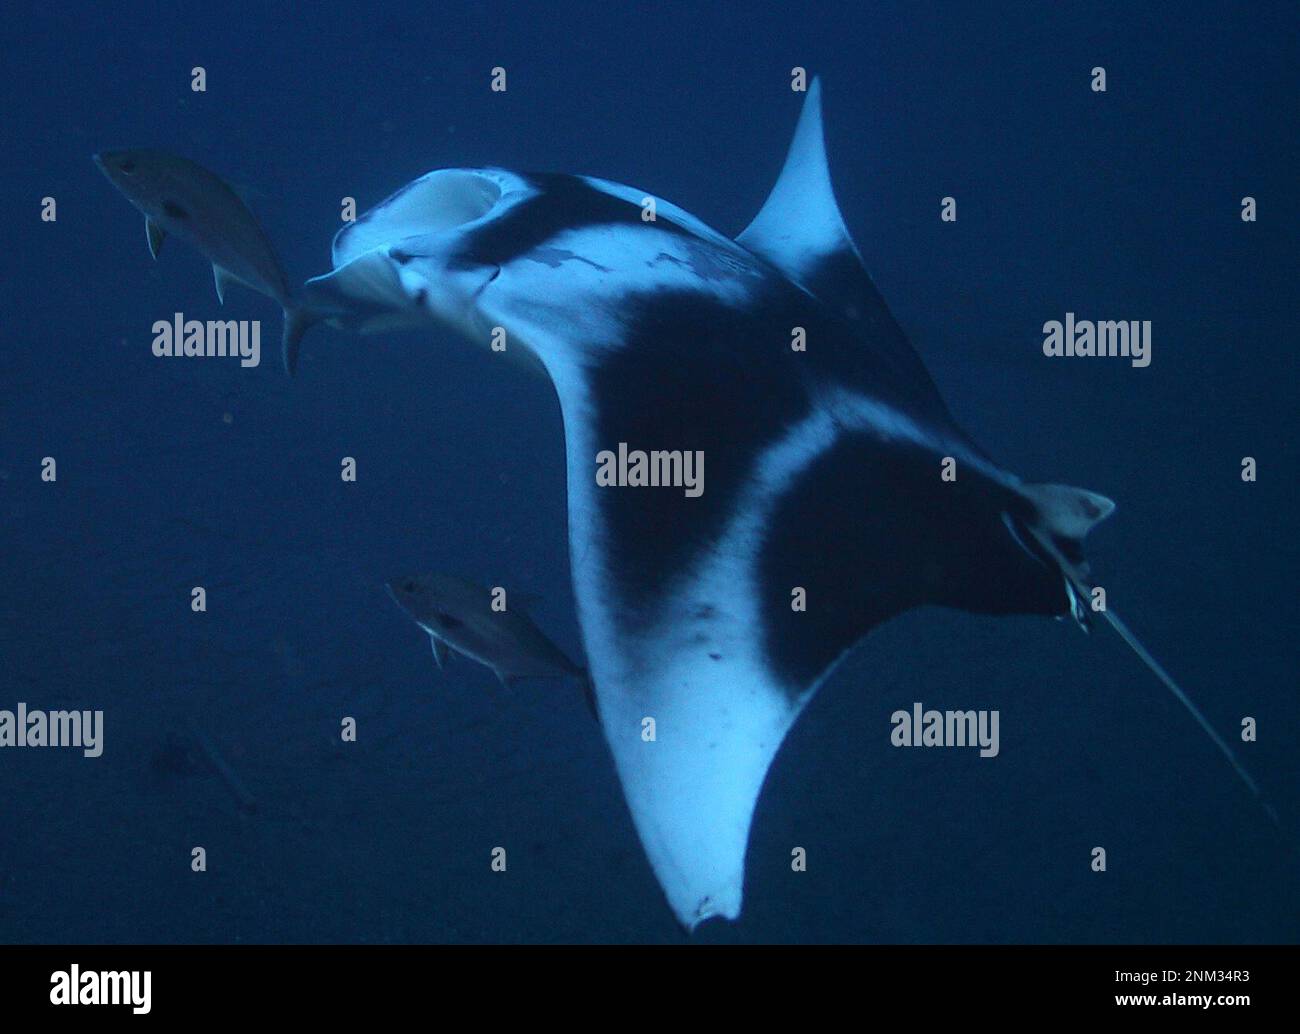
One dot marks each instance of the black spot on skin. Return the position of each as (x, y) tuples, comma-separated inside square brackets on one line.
[(563, 203), (448, 622), (420, 296), (716, 656), (705, 610), (174, 210), (556, 257)]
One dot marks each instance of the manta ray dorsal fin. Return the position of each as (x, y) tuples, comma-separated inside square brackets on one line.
[(801, 232), (799, 228)]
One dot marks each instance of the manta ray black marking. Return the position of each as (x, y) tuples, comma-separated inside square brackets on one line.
[(823, 466)]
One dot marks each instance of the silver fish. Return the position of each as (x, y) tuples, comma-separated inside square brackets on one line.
[(458, 615), (182, 199)]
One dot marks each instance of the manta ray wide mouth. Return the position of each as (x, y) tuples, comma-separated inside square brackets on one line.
[(436, 203), (448, 198)]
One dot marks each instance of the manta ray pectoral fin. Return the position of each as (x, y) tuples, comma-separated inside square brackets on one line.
[(1064, 515), (155, 235), (692, 737), (1066, 511), (1061, 515), (698, 691)]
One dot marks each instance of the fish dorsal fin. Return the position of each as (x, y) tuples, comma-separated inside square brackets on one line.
[(799, 228), (223, 279), (439, 650)]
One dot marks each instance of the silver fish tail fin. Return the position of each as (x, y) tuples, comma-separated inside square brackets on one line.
[(297, 320)]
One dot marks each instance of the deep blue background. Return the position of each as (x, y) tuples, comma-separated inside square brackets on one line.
[(1121, 205)]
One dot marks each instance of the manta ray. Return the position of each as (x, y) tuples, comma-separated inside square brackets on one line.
[(710, 621)]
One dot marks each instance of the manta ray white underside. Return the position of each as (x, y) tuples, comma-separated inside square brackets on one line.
[(822, 466)]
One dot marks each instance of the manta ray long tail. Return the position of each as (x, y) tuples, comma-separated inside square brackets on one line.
[(1158, 670), (1082, 588)]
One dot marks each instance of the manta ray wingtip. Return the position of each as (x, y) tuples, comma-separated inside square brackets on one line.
[(691, 916)]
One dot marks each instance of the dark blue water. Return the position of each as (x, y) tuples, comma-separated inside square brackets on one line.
[(173, 474)]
